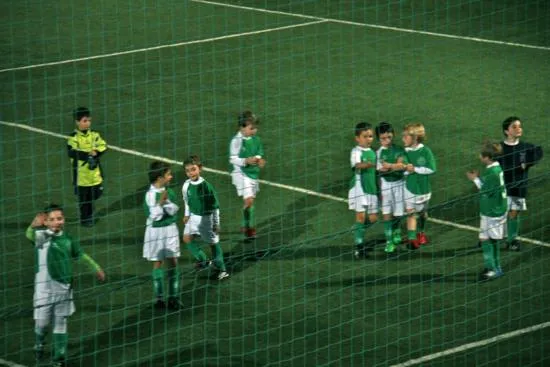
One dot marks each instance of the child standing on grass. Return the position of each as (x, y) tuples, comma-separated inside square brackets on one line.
[(516, 159), (202, 217), (85, 147), (363, 193), (53, 291), (161, 242), (390, 166), (420, 166), (246, 156), (493, 206)]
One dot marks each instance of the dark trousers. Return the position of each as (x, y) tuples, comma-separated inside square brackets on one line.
[(86, 197)]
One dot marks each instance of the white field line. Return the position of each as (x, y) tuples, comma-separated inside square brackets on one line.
[(477, 344), (171, 45), (268, 183), (376, 26), (3, 362)]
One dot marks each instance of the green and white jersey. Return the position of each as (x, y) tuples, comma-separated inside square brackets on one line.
[(422, 158), (160, 215), (54, 255), (242, 147), (390, 154), (493, 201), (367, 177), (200, 198)]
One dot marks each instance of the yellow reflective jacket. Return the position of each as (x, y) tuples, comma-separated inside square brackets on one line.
[(86, 170)]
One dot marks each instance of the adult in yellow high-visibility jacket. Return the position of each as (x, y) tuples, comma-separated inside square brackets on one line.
[(85, 147)]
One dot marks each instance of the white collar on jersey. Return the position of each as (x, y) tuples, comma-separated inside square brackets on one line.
[(511, 144), (418, 146), (51, 233), (199, 181), (157, 189), (240, 135), (361, 148), (494, 164)]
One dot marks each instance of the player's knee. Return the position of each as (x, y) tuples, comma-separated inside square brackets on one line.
[(60, 325), (41, 323)]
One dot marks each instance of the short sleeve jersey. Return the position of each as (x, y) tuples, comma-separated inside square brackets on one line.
[(390, 155), (153, 196), (367, 177), (200, 196), (420, 156), (493, 201)]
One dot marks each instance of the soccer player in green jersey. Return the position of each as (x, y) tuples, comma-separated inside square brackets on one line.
[(420, 166), (246, 156), (202, 217), (363, 192), (53, 290), (493, 207), (161, 241), (389, 158)]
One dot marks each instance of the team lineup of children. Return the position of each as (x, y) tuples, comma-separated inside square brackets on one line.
[(404, 183)]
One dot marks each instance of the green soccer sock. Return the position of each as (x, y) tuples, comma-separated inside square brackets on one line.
[(421, 219), (173, 282), (217, 254), (158, 282), (512, 224), (197, 251), (252, 216), (496, 253), (246, 218), (388, 230), (358, 233), (411, 235), (488, 257), (60, 346), (396, 228), (40, 335)]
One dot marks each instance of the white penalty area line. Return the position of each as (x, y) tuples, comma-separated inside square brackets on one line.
[(376, 26), (477, 344), (267, 183), (171, 45), (3, 362)]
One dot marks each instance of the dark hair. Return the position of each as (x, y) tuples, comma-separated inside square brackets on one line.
[(362, 126), (193, 160), (383, 128), (509, 121), (247, 118), (158, 169), (81, 112), (53, 208), (491, 150)]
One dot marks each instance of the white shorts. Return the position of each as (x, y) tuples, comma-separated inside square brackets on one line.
[(492, 227), (515, 203), (246, 187), (56, 302), (393, 201), (361, 202), (201, 226), (161, 243), (417, 203)]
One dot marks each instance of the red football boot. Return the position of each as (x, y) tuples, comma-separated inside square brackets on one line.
[(251, 233), (413, 245), (422, 239)]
